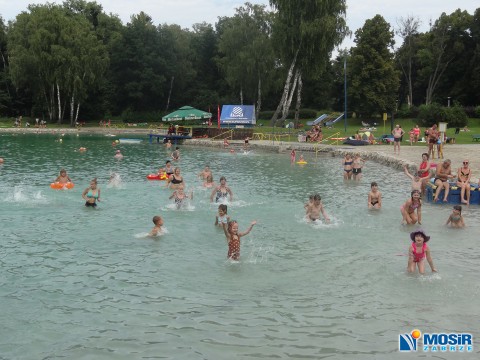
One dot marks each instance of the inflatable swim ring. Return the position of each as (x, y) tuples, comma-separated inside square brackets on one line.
[(301, 162), (157, 177), (60, 186)]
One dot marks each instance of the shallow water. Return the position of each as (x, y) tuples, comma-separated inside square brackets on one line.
[(88, 283)]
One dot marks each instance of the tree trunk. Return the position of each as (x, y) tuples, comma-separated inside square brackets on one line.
[(72, 109), (59, 105), (299, 99), (169, 93), (259, 100), (76, 113), (286, 105), (241, 95), (286, 90)]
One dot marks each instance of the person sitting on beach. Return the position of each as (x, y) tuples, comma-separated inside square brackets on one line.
[(409, 207), (222, 191), (463, 182), (91, 194), (418, 252), (180, 196), (417, 182), (374, 197), (157, 229), (222, 217), (347, 167), (443, 173), (63, 178), (315, 209), (456, 219), (118, 155), (208, 183), (233, 238)]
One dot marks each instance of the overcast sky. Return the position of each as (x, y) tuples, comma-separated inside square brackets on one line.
[(188, 12)]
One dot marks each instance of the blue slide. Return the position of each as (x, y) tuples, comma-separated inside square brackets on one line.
[(330, 123), (317, 120)]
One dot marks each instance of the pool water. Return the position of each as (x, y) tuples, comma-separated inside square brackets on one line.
[(78, 282)]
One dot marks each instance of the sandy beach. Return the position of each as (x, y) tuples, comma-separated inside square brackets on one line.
[(409, 155)]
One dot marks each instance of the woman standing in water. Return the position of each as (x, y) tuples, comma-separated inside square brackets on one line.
[(91, 194), (221, 192)]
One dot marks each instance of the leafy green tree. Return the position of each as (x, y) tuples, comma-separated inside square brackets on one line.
[(374, 82), (5, 95), (57, 56), (455, 115), (305, 33)]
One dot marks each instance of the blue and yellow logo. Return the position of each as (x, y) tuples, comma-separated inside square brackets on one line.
[(408, 342), (435, 342)]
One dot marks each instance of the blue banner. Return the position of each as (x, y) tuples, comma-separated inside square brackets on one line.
[(238, 114)]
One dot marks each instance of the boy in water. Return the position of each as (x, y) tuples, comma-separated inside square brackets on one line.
[(316, 208), (374, 197), (63, 178), (417, 181), (157, 229)]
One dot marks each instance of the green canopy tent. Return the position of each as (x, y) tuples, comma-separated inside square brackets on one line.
[(187, 113)]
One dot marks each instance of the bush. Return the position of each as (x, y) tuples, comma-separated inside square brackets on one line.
[(477, 111), (130, 116), (455, 116), (406, 112), (430, 114)]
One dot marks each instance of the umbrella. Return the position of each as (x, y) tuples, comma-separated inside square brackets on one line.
[(187, 113)]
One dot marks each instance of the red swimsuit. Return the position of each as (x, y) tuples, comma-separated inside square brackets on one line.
[(417, 257), (234, 247)]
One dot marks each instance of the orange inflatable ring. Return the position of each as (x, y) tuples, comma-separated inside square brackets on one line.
[(60, 186), (157, 177)]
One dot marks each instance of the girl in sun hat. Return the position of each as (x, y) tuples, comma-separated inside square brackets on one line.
[(418, 252)]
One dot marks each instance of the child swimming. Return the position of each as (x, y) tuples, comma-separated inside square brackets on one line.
[(315, 209), (418, 252), (157, 229), (180, 196), (222, 217), (456, 219), (374, 197), (233, 238), (409, 207)]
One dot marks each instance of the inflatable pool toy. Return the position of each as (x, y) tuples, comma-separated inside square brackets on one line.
[(157, 177), (61, 186), (301, 162)]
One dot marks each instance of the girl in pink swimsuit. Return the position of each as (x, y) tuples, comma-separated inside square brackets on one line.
[(408, 209), (418, 252)]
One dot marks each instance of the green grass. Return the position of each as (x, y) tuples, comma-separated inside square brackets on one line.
[(353, 125)]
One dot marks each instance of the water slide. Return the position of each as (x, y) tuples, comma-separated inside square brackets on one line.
[(317, 120), (330, 123)]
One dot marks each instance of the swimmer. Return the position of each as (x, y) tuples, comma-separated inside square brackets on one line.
[(179, 196), (309, 203), (456, 219), (357, 166), (418, 252), (408, 209), (63, 178), (225, 143), (301, 159), (1, 160), (315, 209), (417, 182), (222, 191), (233, 238), (222, 217), (162, 174), (205, 173), (293, 156), (176, 154), (169, 170), (208, 183), (91, 194), (114, 179), (374, 197), (118, 155), (175, 180), (347, 167), (168, 144), (82, 149), (157, 229)]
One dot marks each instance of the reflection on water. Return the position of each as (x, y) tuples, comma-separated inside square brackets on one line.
[(81, 282)]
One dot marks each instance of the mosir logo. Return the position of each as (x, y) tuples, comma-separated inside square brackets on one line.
[(236, 112), (435, 342)]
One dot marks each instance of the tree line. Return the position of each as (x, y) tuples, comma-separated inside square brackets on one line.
[(72, 62)]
